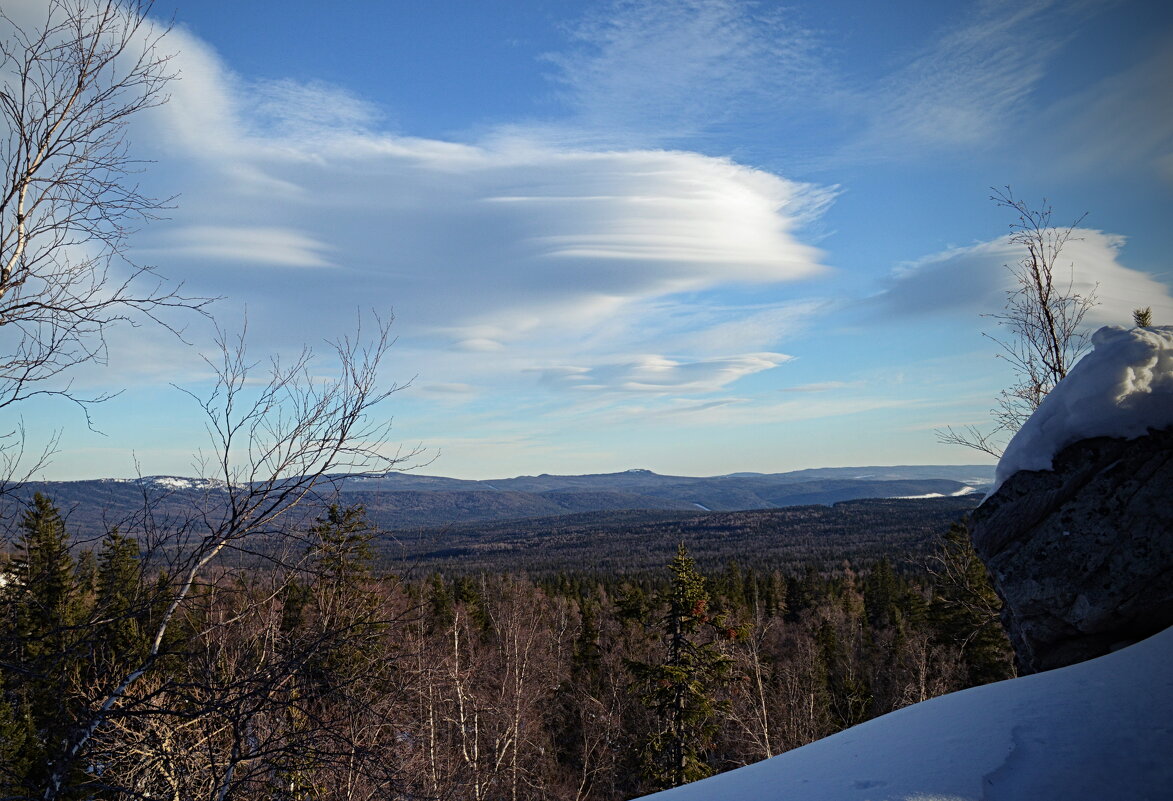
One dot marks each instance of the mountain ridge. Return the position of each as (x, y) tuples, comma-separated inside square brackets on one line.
[(408, 501)]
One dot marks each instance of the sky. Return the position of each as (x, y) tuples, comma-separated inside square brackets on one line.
[(695, 237)]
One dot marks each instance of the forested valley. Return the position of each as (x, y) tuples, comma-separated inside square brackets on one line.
[(318, 673)]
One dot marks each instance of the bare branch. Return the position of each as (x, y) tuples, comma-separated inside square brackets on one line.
[(1041, 326), (68, 200)]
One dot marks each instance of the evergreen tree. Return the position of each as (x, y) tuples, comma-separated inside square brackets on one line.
[(41, 611), (43, 580), (965, 610), (120, 606), (879, 594), (440, 602), (682, 690), (341, 544), (344, 607)]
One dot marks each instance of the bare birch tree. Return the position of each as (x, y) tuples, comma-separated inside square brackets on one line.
[(69, 87), (1041, 326)]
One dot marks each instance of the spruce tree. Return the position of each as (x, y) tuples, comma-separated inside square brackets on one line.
[(965, 610), (341, 544), (120, 601), (41, 612), (682, 690)]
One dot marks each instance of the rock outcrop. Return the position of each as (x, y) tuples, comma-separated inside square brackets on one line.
[(1082, 554)]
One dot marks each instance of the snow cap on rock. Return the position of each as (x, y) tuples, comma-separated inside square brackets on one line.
[(1123, 388)]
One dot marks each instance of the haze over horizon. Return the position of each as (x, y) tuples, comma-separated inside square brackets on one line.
[(698, 237)]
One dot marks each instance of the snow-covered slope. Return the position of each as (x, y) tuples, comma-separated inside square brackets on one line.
[(1122, 388), (1097, 731)]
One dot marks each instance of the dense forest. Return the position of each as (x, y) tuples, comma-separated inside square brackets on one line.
[(638, 541), (321, 675)]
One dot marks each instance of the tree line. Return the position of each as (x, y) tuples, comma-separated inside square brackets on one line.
[(319, 677)]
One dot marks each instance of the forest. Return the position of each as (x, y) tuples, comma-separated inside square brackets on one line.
[(322, 675)]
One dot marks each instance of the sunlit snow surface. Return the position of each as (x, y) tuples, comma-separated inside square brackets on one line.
[(1097, 731), (1121, 389)]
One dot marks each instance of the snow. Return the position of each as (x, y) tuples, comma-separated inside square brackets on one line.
[(177, 483), (1122, 388), (1098, 730), (965, 490)]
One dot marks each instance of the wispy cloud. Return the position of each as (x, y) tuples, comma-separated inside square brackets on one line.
[(972, 84), (1123, 120), (664, 70), (240, 245), (658, 374), (822, 386)]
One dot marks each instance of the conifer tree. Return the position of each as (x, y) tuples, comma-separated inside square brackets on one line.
[(120, 600), (682, 690), (341, 543), (41, 610), (966, 610)]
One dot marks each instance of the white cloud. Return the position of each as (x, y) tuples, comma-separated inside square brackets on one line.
[(238, 244), (974, 280), (658, 374), (496, 256)]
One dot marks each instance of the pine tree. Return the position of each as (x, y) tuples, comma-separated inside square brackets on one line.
[(342, 605), (682, 689), (440, 602), (43, 579)]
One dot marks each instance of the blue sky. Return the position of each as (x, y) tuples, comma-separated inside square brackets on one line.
[(696, 237)]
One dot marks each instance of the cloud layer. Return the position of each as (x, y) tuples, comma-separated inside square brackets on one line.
[(508, 247)]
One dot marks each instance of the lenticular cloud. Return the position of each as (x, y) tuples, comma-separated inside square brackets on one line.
[(514, 234)]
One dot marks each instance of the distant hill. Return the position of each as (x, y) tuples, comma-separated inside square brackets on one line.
[(406, 502)]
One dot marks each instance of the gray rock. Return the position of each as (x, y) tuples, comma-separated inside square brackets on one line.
[(1082, 554)]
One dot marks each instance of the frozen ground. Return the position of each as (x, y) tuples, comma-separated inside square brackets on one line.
[(1097, 731)]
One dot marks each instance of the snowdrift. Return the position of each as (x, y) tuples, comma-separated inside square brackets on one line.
[(1122, 388), (1095, 731)]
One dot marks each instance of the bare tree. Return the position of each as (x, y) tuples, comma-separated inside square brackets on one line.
[(278, 443), (69, 88), (1042, 334), (70, 84)]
